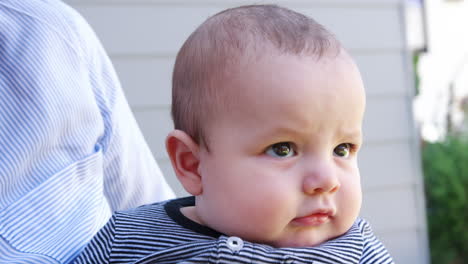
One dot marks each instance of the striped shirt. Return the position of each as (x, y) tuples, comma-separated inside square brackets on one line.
[(160, 233), (71, 152)]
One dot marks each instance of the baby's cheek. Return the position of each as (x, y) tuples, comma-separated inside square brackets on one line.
[(349, 204), (273, 214), (265, 223)]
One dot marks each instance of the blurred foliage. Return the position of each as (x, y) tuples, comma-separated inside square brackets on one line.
[(445, 167)]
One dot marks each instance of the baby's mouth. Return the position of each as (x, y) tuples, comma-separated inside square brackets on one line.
[(316, 218)]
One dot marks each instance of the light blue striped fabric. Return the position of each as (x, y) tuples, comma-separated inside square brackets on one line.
[(71, 152)]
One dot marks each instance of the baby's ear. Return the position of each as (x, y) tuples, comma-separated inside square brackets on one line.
[(184, 155)]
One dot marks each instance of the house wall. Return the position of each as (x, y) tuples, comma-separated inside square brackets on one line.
[(143, 36)]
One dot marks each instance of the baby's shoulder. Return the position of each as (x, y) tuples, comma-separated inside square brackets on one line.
[(362, 223), (144, 217), (364, 227)]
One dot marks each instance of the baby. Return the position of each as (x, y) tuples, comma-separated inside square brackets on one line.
[(268, 109)]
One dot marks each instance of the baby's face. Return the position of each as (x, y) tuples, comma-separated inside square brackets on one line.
[(282, 167)]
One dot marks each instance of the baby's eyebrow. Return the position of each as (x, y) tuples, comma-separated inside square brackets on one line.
[(287, 131), (352, 134)]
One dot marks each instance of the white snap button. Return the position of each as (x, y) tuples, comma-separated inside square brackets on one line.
[(235, 244)]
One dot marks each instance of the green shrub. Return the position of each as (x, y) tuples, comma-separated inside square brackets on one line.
[(446, 183)]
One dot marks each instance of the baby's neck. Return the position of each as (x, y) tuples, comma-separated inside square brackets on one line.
[(191, 213)]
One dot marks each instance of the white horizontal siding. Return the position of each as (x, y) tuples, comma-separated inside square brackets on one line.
[(146, 81), (387, 165), (396, 223), (341, 3), (383, 73), (390, 209), (405, 245), (155, 124), (161, 30), (387, 119)]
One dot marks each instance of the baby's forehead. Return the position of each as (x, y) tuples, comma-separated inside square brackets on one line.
[(267, 64), (255, 78)]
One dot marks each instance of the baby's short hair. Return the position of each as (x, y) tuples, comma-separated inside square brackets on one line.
[(222, 43)]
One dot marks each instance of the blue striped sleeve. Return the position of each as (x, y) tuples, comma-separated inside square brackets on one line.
[(71, 151)]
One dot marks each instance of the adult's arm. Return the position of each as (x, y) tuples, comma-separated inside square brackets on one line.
[(70, 149)]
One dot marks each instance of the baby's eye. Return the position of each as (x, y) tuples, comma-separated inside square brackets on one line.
[(281, 150), (342, 150)]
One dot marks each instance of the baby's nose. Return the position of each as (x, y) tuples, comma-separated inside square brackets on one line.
[(321, 178)]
